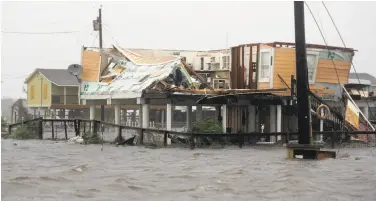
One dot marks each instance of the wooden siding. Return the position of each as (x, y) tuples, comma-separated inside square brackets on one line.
[(90, 65), (326, 72), (35, 89), (284, 66), (264, 85)]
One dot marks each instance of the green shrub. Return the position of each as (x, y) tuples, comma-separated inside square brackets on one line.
[(24, 132), (209, 125), (92, 138)]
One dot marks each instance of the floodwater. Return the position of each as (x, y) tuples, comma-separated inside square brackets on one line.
[(48, 170)]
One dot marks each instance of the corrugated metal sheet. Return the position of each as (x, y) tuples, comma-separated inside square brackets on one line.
[(135, 78)]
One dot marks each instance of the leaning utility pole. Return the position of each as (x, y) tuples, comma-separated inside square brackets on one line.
[(98, 27), (304, 112), (304, 149)]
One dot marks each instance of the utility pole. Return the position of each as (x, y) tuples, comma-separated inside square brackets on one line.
[(101, 46), (98, 27), (304, 113)]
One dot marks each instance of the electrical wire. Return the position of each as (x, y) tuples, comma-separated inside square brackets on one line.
[(95, 39), (117, 43), (339, 82), (39, 33), (343, 42)]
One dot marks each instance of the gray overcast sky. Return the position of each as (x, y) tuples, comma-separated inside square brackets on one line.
[(173, 25)]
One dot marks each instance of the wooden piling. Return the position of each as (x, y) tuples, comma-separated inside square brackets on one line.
[(78, 126), (142, 136), (119, 133), (75, 126), (10, 129), (40, 129), (52, 126), (65, 130), (192, 141), (165, 139)]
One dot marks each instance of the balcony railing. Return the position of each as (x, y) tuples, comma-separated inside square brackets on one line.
[(69, 99)]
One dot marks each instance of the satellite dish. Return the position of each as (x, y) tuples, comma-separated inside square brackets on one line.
[(75, 69)]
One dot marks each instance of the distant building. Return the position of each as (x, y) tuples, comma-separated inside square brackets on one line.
[(20, 111), (51, 89)]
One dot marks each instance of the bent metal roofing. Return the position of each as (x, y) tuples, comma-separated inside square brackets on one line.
[(140, 73)]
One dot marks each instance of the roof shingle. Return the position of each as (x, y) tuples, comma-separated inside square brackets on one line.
[(60, 77), (364, 76)]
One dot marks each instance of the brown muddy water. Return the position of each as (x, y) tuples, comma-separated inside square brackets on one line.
[(48, 170)]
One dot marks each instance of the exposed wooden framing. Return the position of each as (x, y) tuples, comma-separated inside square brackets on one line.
[(289, 44), (257, 65), (250, 69)]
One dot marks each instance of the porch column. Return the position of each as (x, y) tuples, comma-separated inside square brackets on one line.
[(365, 111), (320, 136), (224, 118), (92, 112), (169, 120), (92, 117), (133, 118), (198, 113), (145, 116), (117, 114), (163, 118), (169, 117), (251, 118), (279, 121), (217, 112), (272, 121), (189, 118), (65, 95)]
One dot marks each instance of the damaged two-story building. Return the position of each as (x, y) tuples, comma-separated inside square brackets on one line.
[(260, 94)]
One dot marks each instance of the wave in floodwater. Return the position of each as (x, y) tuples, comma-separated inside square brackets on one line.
[(48, 170)]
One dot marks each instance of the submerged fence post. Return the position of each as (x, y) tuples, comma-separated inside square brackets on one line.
[(119, 133), (333, 140), (40, 129), (95, 127), (165, 139), (192, 141), (52, 126), (241, 140), (142, 136), (78, 126), (65, 130), (75, 126), (10, 129)]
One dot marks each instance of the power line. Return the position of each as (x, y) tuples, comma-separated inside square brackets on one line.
[(95, 40), (326, 44), (39, 33), (343, 42), (117, 43), (13, 77)]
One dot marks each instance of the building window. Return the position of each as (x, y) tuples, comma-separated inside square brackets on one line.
[(32, 92), (226, 62), (265, 66), (202, 63), (311, 65), (44, 91)]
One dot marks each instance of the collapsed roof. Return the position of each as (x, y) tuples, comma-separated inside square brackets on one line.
[(128, 74)]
